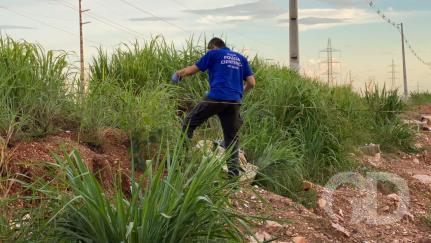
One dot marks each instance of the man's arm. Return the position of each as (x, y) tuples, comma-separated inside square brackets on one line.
[(250, 82), (190, 70)]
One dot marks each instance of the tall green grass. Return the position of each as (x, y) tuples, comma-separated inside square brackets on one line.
[(389, 131), (420, 98), (144, 114), (150, 64), (34, 97), (295, 129)]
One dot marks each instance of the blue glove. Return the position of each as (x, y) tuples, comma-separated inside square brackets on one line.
[(175, 78)]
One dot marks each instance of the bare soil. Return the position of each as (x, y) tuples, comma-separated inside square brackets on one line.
[(277, 218)]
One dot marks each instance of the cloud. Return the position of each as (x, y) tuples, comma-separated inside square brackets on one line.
[(151, 19), (317, 20), (224, 19), (344, 3), (16, 27), (261, 9), (324, 18)]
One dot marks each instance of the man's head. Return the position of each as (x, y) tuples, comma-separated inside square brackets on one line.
[(216, 43)]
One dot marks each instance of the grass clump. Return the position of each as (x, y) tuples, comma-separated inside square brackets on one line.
[(387, 128), (34, 97), (176, 201), (142, 114), (419, 98)]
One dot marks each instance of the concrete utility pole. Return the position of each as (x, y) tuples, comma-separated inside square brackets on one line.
[(294, 35), (81, 43), (406, 93)]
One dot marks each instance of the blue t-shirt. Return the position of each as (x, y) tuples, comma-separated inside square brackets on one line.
[(227, 71)]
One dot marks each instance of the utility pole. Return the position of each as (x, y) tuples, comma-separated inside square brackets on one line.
[(330, 62), (393, 72), (81, 44), (406, 94), (294, 35)]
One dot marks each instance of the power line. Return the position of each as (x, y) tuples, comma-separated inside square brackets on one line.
[(36, 20), (398, 27), (40, 22), (236, 32), (105, 21), (155, 16)]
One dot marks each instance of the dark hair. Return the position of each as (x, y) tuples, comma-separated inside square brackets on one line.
[(216, 43)]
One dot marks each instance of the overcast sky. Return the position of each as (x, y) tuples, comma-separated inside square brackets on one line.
[(367, 44)]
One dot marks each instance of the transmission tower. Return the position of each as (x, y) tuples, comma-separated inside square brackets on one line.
[(393, 74), (330, 62), (350, 78)]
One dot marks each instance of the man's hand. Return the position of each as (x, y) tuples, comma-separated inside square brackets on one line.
[(250, 82), (190, 70)]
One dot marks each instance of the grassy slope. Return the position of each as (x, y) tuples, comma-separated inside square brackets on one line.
[(294, 128)]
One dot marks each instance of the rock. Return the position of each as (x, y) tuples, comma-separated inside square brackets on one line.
[(272, 224), (386, 209), (370, 149), (299, 239), (418, 124), (340, 229), (394, 197), (425, 240), (321, 203), (260, 237), (408, 217), (307, 185), (214, 148), (418, 146), (426, 119), (416, 161), (424, 179)]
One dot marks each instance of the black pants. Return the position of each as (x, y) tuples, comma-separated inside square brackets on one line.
[(230, 119)]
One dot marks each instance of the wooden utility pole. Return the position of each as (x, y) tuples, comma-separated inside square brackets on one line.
[(294, 35), (81, 43), (406, 93)]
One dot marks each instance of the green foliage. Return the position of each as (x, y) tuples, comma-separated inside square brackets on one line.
[(143, 114), (388, 130), (383, 104), (419, 98), (149, 65), (34, 97), (177, 201), (295, 129)]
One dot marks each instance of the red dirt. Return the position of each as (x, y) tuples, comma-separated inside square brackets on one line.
[(27, 158), (283, 219)]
